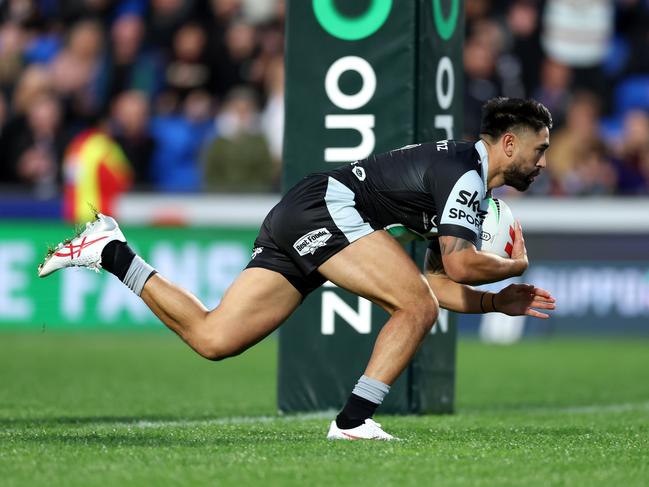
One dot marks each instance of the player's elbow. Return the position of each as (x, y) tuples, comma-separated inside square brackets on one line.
[(214, 347)]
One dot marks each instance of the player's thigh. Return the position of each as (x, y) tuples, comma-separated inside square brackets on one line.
[(256, 303), (378, 268)]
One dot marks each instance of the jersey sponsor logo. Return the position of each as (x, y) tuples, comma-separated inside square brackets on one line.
[(472, 219), (256, 251), (312, 241), (442, 145), (469, 199), (466, 205)]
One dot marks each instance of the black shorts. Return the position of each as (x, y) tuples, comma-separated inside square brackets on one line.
[(316, 219)]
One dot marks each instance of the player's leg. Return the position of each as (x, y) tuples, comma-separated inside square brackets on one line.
[(377, 268), (254, 305)]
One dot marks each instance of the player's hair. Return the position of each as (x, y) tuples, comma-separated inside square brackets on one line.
[(500, 115)]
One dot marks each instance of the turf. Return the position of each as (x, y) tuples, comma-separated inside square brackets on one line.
[(140, 409)]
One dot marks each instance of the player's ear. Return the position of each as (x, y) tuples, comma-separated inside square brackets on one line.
[(508, 143)]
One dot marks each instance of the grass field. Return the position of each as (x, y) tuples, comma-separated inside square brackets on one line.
[(140, 409)]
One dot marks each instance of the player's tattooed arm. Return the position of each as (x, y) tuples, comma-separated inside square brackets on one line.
[(448, 245), (433, 264), (450, 294), (465, 264)]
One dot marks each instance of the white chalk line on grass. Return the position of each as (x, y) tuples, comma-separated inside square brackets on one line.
[(329, 415), (236, 420)]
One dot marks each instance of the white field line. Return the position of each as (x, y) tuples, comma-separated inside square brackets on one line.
[(234, 420), (328, 415)]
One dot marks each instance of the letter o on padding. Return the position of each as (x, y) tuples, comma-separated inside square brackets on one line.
[(357, 100)]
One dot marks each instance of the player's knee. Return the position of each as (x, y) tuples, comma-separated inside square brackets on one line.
[(422, 312)]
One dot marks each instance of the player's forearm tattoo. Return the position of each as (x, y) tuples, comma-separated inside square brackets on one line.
[(452, 244), (434, 263)]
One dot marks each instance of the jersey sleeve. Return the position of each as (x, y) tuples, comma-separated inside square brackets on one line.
[(459, 196)]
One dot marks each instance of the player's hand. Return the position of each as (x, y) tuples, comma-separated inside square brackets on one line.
[(524, 299), (519, 252)]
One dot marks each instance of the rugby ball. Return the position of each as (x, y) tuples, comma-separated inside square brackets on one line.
[(497, 235)]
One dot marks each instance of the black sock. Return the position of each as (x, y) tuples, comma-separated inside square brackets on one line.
[(116, 258), (355, 412)]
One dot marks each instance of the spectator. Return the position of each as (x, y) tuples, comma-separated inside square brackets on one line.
[(592, 173), (32, 147), (632, 155), (23, 12), (128, 66), (165, 18), (258, 12), (75, 72), (270, 41), (179, 139), (129, 127), (570, 142), (96, 173), (189, 68), (475, 10), (185, 56), (577, 33), (554, 88), (12, 42), (235, 58), (238, 159), (482, 81), (34, 81), (522, 23), (632, 18)]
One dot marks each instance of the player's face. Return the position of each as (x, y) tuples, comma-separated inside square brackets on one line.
[(528, 158)]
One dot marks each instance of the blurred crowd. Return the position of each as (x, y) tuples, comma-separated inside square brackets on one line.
[(588, 62), (191, 91)]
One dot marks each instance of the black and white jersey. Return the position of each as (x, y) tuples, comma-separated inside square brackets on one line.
[(422, 190), (419, 191)]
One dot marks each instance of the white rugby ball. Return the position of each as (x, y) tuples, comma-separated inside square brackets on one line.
[(497, 235)]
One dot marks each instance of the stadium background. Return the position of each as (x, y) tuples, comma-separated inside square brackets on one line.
[(190, 95)]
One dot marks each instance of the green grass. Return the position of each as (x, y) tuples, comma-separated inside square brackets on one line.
[(140, 409)]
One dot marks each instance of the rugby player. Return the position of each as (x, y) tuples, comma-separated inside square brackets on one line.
[(338, 226)]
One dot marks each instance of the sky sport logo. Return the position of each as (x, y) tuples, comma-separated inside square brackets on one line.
[(476, 216), (312, 241)]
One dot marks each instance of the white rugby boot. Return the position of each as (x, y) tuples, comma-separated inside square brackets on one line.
[(369, 430), (84, 249)]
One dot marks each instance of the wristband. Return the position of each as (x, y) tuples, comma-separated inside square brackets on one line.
[(493, 303), (481, 298)]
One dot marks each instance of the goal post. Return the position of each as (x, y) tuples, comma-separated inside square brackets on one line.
[(365, 77)]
